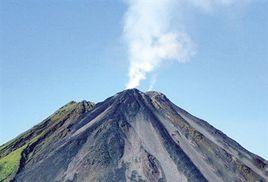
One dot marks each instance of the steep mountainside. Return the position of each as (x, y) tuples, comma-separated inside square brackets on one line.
[(131, 136)]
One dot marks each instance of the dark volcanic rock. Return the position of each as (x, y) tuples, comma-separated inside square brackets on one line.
[(131, 136)]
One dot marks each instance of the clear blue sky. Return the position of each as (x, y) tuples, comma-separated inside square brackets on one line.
[(52, 52)]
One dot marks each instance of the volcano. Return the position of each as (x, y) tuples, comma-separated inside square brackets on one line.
[(131, 136)]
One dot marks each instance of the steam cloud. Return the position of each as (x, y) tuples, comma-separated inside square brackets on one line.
[(150, 39)]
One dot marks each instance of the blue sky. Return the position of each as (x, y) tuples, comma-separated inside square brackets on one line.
[(52, 52)]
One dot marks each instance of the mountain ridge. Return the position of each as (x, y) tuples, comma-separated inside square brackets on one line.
[(129, 136)]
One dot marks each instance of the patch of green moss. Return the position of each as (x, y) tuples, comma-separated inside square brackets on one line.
[(10, 164), (34, 139), (62, 111)]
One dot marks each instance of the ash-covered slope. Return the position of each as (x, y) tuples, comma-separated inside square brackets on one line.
[(132, 136)]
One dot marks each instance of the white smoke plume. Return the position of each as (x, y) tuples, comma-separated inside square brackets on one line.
[(150, 39)]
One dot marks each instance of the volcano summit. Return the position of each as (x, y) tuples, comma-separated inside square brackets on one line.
[(131, 136)]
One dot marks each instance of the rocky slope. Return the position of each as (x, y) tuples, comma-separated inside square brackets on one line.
[(131, 136)]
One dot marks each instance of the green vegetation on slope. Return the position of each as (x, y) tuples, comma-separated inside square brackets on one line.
[(11, 152), (63, 111), (10, 164)]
